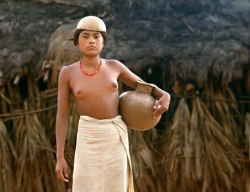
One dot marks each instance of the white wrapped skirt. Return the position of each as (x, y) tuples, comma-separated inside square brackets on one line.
[(102, 160)]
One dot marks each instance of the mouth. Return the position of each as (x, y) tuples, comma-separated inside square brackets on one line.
[(91, 47)]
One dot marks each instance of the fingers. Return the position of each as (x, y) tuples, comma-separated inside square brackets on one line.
[(157, 104), (157, 113), (157, 110), (65, 174), (62, 175)]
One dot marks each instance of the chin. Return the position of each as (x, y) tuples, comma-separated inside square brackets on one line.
[(91, 54)]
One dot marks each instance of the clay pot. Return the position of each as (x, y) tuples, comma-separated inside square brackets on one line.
[(136, 107)]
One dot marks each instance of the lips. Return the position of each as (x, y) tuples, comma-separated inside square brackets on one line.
[(91, 47)]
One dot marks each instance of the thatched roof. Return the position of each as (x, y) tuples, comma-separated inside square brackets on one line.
[(193, 37)]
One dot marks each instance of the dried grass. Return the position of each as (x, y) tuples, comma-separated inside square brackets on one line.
[(35, 157), (178, 152), (247, 135), (7, 161), (217, 158), (142, 161), (202, 152), (225, 110)]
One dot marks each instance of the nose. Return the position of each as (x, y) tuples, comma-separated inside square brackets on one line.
[(91, 40)]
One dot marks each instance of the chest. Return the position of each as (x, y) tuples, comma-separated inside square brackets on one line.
[(104, 83)]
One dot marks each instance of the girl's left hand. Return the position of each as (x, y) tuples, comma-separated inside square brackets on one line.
[(161, 105)]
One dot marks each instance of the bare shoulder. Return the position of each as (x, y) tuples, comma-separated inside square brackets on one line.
[(125, 75), (115, 64), (67, 69)]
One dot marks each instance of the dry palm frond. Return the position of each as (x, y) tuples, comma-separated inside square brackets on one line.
[(247, 132), (49, 98), (35, 167), (142, 162), (199, 156), (7, 159), (216, 157), (247, 135), (178, 153), (225, 110)]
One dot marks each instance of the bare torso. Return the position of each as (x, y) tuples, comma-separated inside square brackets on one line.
[(96, 96)]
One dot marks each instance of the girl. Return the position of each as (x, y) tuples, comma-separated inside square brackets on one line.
[(102, 160)]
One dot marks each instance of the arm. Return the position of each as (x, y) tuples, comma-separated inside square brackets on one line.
[(126, 76), (61, 123), (163, 98)]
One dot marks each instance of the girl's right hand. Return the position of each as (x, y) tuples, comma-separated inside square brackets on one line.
[(61, 170)]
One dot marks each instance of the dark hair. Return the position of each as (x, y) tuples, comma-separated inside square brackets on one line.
[(78, 31)]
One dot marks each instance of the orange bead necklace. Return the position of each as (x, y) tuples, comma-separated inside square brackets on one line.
[(90, 74)]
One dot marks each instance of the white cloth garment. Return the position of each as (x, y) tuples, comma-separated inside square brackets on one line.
[(102, 160)]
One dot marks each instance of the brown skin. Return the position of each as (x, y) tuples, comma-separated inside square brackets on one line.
[(92, 94)]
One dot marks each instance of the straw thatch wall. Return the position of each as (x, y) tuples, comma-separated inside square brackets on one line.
[(212, 35), (196, 50)]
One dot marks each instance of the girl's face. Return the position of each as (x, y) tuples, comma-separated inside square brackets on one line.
[(90, 43)]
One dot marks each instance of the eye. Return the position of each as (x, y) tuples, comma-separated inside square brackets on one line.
[(97, 36), (84, 35)]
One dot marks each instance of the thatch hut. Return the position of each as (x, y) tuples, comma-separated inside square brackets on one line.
[(196, 50)]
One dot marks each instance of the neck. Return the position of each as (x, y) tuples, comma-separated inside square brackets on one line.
[(90, 62)]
